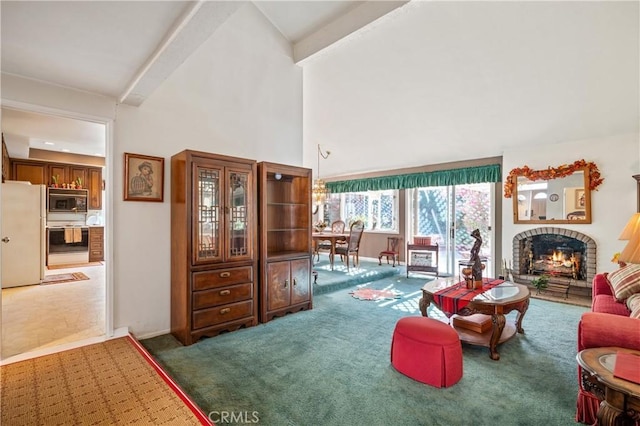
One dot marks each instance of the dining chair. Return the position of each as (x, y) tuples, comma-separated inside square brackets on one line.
[(352, 245), (337, 227), (393, 251)]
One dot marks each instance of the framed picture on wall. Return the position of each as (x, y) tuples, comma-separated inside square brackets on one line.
[(580, 202), (143, 178)]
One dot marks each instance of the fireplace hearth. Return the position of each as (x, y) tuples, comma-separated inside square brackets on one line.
[(562, 254)]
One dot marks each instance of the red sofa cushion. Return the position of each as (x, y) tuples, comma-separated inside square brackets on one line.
[(606, 304)]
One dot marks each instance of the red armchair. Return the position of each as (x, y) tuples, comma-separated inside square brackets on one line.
[(608, 324)]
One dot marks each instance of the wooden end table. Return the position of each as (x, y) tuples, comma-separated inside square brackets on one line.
[(620, 398), (496, 302)]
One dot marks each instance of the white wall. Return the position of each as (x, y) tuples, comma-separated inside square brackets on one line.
[(435, 82), (239, 94), (612, 204), (19, 90)]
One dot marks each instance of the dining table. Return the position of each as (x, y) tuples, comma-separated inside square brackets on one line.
[(333, 238)]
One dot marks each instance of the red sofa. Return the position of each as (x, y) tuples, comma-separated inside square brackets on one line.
[(608, 324)]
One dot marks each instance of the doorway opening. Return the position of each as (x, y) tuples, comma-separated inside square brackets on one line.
[(38, 317)]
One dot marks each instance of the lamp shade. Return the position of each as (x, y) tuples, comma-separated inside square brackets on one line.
[(631, 252), (632, 228)]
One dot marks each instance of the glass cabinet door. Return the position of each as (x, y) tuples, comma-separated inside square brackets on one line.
[(239, 214), (207, 214)]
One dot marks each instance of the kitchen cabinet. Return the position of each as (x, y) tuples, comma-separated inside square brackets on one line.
[(213, 255), (67, 173), (42, 172), (96, 243), (30, 171), (285, 239), (94, 185), (6, 162)]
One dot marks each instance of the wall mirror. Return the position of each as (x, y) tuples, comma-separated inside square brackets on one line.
[(553, 195)]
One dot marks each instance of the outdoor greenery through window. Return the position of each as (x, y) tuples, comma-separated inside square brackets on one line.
[(377, 209), (449, 214)]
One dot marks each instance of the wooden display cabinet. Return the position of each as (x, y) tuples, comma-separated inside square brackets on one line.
[(213, 235), (285, 239)]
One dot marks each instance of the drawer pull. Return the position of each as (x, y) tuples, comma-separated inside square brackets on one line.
[(225, 274), (286, 283), (295, 282), (225, 311), (225, 292)]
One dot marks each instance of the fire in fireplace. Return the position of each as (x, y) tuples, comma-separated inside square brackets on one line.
[(563, 262)]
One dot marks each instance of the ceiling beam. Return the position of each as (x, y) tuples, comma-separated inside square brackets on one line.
[(199, 21), (350, 22)]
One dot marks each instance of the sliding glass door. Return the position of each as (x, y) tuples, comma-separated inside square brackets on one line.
[(448, 215)]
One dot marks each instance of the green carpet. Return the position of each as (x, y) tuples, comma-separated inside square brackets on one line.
[(331, 366)]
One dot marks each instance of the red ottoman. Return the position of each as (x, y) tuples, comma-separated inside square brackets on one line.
[(427, 350)]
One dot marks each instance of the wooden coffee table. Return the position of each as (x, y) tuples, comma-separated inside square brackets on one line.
[(496, 302), (620, 398)]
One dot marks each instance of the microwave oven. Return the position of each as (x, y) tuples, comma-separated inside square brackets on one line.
[(61, 200)]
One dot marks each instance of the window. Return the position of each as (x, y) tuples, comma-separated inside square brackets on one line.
[(377, 209), (449, 214)]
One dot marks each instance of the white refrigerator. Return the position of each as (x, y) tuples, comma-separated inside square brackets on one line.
[(22, 233)]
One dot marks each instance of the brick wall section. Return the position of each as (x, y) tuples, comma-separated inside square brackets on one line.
[(590, 252)]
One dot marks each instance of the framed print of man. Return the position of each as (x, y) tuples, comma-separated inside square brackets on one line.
[(143, 178)]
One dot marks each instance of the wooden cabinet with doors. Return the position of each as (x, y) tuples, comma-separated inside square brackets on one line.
[(213, 236), (6, 162), (30, 171), (67, 173), (96, 243), (42, 172), (94, 185), (285, 239)]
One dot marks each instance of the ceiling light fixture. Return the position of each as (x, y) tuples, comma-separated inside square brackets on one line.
[(49, 143)]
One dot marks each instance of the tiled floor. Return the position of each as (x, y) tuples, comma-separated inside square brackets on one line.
[(40, 316)]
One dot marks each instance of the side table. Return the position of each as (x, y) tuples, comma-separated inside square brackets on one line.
[(428, 251), (620, 398)]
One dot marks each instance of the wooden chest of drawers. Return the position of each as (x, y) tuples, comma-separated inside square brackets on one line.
[(96, 243), (221, 300)]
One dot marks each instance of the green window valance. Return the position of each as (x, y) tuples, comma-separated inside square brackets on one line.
[(467, 175)]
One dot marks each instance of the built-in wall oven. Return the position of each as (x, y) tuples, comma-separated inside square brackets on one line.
[(67, 244)]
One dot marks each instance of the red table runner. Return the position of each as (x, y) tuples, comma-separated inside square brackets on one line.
[(452, 300)]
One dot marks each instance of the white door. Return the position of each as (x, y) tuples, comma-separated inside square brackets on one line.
[(22, 234)]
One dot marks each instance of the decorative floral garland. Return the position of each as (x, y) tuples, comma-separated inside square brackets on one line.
[(552, 173)]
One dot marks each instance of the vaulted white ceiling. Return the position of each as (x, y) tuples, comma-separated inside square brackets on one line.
[(126, 49), (516, 69)]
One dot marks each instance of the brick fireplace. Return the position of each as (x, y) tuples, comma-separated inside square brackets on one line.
[(559, 252)]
